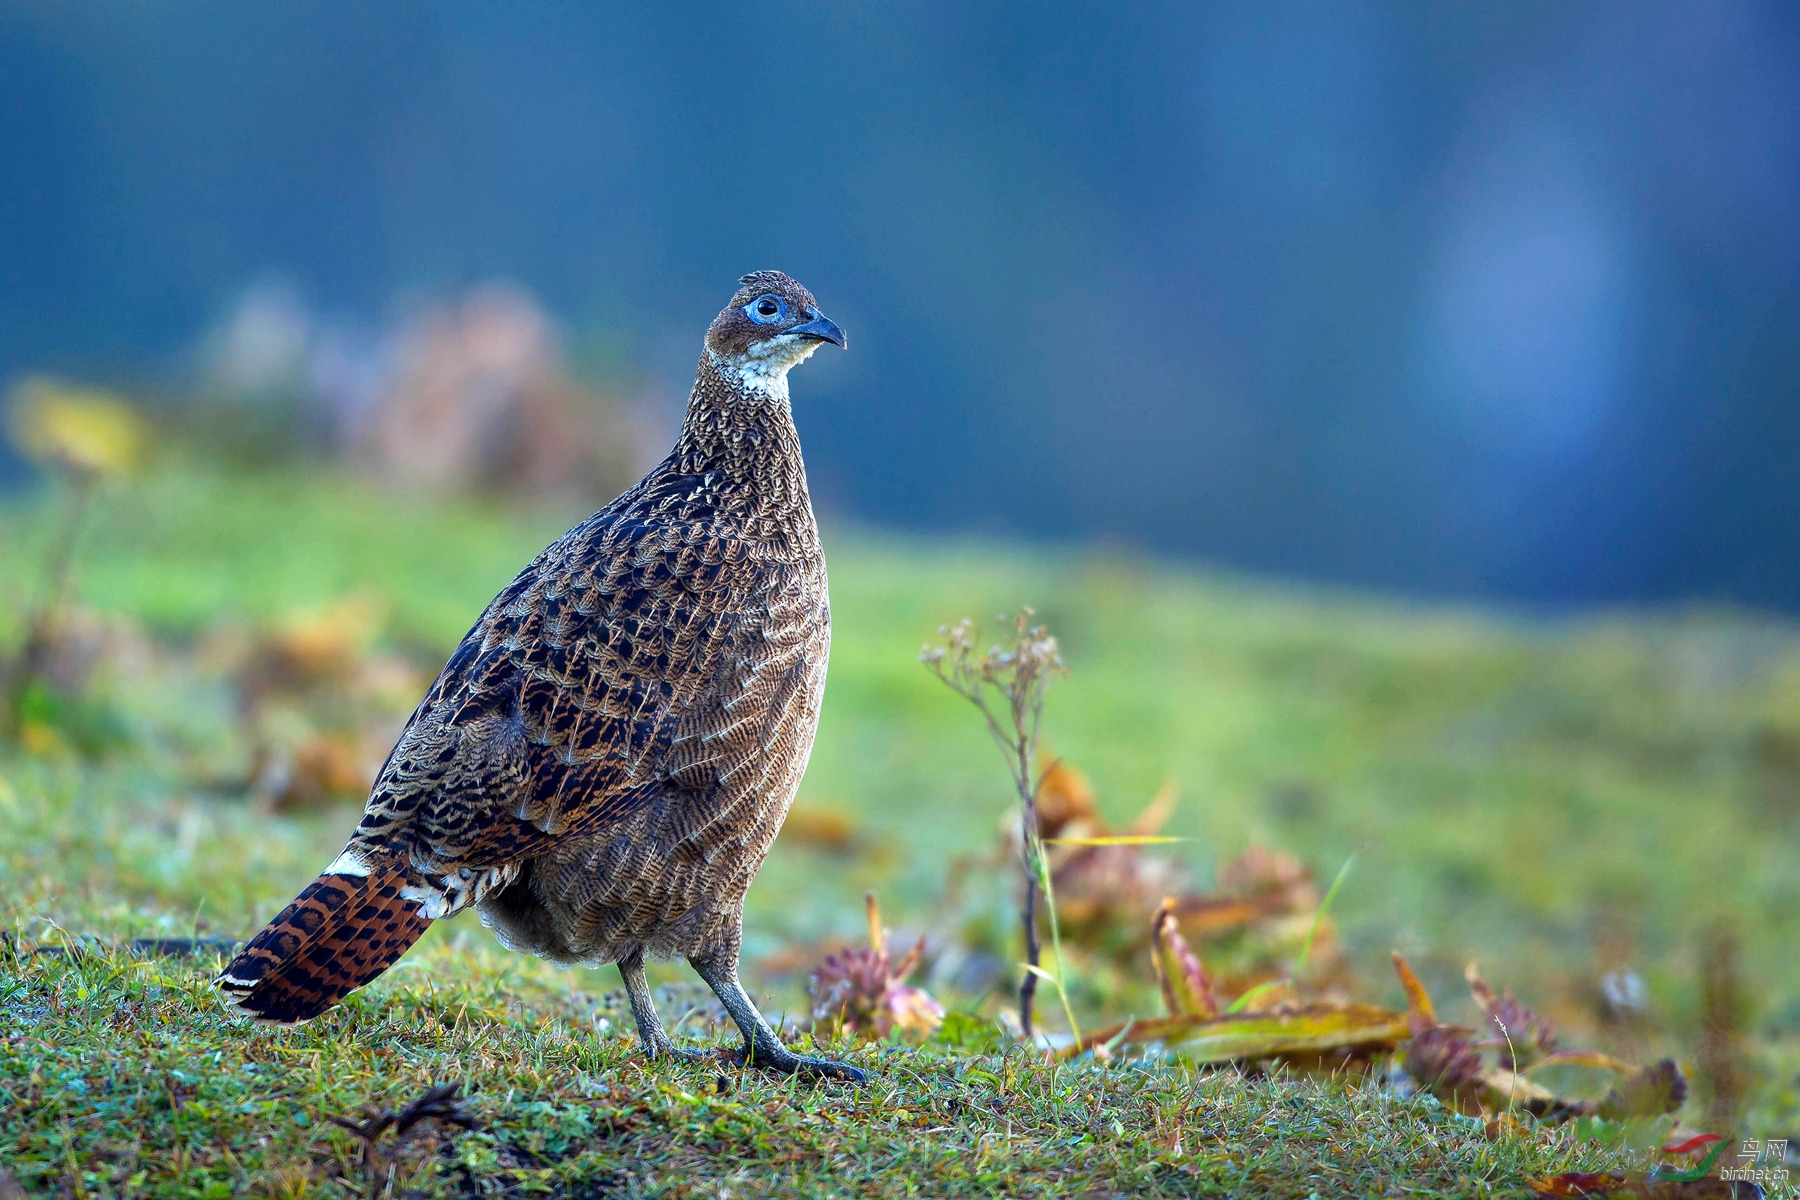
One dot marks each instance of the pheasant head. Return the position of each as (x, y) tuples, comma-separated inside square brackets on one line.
[(771, 325)]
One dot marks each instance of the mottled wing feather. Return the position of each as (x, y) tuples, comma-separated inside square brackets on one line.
[(610, 665)]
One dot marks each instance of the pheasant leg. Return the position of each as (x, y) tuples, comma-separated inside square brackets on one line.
[(643, 1010), (762, 1047)]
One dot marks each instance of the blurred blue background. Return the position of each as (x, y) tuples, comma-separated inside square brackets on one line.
[(1496, 300)]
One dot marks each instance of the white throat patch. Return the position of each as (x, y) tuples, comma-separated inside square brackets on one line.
[(764, 367)]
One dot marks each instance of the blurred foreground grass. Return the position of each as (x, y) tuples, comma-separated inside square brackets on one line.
[(1560, 800)]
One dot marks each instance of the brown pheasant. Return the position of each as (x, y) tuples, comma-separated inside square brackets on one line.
[(604, 762)]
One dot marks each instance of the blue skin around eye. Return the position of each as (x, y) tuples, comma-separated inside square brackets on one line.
[(779, 315)]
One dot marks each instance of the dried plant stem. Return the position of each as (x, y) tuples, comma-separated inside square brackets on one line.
[(1018, 676), (1020, 745), (1033, 947), (439, 1103)]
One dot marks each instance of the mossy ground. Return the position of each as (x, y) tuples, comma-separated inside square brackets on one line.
[(1552, 798)]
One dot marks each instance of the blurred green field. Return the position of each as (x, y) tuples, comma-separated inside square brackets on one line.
[(1553, 798)]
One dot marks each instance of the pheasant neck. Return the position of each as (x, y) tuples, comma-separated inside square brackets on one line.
[(739, 423)]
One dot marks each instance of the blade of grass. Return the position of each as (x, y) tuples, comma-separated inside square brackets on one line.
[(1324, 907), (1255, 993), (1043, 870), (1306, 946)]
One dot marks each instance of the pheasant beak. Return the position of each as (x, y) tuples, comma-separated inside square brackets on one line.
[(822, 328)]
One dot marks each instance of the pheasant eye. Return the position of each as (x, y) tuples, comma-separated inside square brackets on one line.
[(765, 309)]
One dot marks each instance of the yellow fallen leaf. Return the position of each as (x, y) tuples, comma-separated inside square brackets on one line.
[(1116, 839), (1305, 1032)]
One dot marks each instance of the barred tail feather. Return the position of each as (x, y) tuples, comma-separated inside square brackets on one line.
[(348, 926)]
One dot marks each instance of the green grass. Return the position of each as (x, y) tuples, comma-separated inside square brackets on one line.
[(1551, 798), (127, 1079)]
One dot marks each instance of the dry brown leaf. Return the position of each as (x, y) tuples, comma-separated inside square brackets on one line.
[(325, 767), (1418, 1000), (820, 829), (314, 646), (1282, 881), (1064, 796)]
